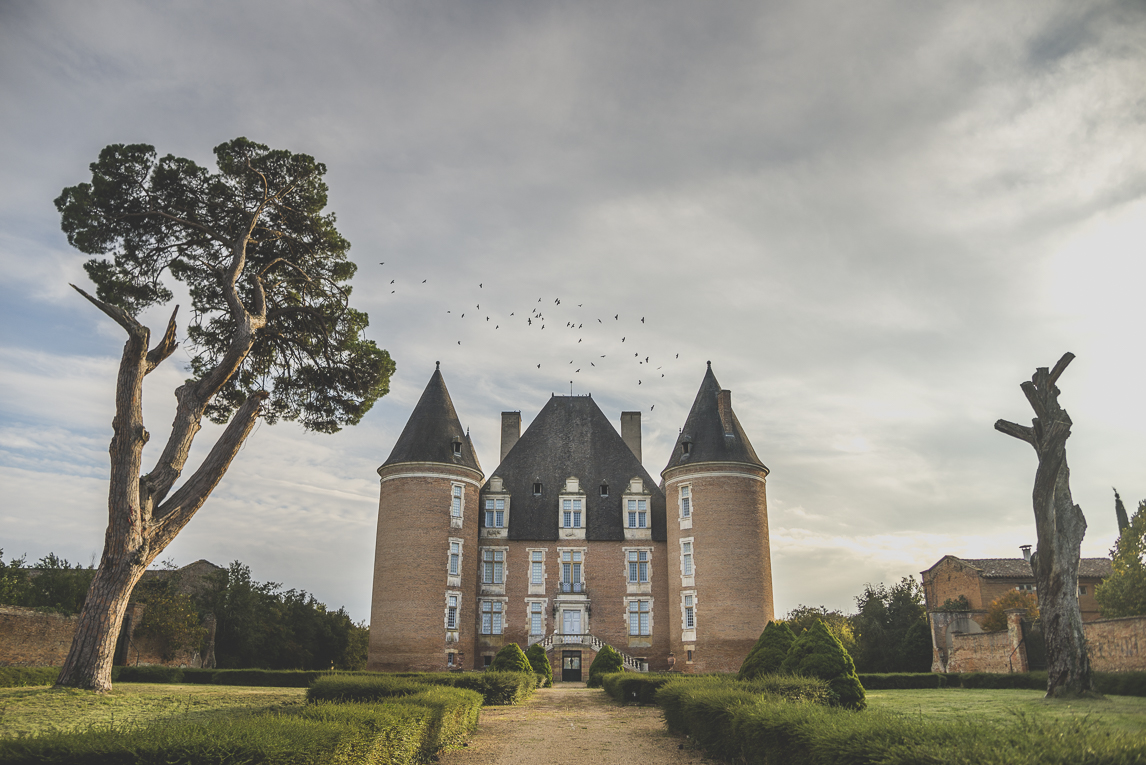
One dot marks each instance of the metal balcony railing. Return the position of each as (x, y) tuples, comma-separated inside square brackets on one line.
[(575, 587)]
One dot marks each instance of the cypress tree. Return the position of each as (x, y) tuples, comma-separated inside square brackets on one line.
[(608, 660), (510, 659), (769, 652), (540, 663), (818, 653)]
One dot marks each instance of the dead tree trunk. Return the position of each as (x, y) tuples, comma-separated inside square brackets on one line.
[(1059, 526)]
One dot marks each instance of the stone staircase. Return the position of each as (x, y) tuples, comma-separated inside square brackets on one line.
[(589, 641)]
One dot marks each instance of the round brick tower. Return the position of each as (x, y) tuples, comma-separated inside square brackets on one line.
[(719, 563), (426, 551)]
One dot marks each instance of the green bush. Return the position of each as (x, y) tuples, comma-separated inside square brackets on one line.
[(1035, 681), (606, 661), (769, 652), (817, 653), (510, 659), (274, 678), (147, 673), (540, 663), (634, 688), (888, 681), (15, 677), (1121, 683), (344, 688), (496, 688)]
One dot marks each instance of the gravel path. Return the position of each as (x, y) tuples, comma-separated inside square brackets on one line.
[(570, 724)]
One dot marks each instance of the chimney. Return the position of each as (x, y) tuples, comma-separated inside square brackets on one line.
[(1026, 552), (631, 432), (724, 405), (510, 431)]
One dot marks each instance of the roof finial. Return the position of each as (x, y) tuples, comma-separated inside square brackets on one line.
[(710, 365), (437, 365)]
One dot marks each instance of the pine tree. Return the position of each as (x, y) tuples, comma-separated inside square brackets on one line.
[(1123, 593), (769, 652), (818, 653)]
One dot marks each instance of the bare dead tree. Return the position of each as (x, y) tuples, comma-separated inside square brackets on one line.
[(1059, 526)]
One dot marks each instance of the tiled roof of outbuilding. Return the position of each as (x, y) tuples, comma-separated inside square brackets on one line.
[(710, 438), (432, 429), (571, 437), (1018, 568)]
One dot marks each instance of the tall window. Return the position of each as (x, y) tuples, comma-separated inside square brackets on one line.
[(571, 513), (689, 613), (536, 619), (492, 566), (494, 513), (638, 513), (455, 558), (638, 617), (491, 617), (537, 567), (685, 501), (452, 612), (638, 566), (686, 558), (456, 502), (571, 571)]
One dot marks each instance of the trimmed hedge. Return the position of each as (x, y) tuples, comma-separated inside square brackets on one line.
[(510, 659), (769, 652), (16, 677), (819, 653), (335, 688), (605, 662), (540, 663), (337, 733), (496, 688), (634, 688), (890, 681), (276, 678), (732, 723)]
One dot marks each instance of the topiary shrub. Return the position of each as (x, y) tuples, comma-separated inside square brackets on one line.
[(608, 660), (540, 663), (769, 652), (510, 659), (817, 653)]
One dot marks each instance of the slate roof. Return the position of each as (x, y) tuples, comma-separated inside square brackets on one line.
[(572, 437), (433, 427), (1018, 568), (706, 434)]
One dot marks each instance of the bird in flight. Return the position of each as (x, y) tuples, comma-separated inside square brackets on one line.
[(382, 263), (539, 366), (622, 339), (654, 406), (392, 281), (638, 381), (479, 285), (618, 316), (678, 355), (423, 281), (642, 320)]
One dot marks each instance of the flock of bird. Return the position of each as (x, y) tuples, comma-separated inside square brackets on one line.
[(593, 333)]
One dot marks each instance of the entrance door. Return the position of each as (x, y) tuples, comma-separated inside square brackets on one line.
[(572, 623), (571, 666)]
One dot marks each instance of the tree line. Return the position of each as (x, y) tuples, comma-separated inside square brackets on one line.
[(256, 624)]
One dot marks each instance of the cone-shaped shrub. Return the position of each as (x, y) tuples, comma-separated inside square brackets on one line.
[(818, 653), (540, 663), (510, 659), (608, 660), (769, 652)]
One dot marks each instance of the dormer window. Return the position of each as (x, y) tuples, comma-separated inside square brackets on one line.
[(685, 448), (495, 513), (638, 510), (571, 513), (537, 489), (604, 490), (457, 448)]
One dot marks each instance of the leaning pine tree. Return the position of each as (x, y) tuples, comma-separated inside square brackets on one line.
[(769, 652), (819, 653), (271, 335)]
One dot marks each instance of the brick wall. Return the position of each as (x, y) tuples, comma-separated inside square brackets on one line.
[(30, 638), (1115, 645)]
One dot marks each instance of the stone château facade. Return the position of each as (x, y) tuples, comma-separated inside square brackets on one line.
[(570, 542)]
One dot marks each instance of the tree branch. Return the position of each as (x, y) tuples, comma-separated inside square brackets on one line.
[(176, 512), (117, 314), (165, 348), (1060, 367), (1021, 432)]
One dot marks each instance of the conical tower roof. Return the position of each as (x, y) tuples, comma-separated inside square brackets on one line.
[(433, 429), (712, 432)]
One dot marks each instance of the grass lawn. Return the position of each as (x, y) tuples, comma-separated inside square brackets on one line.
[(26, 711), (1126, 713)]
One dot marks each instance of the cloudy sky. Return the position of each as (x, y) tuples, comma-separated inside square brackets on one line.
[(875, 219)]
